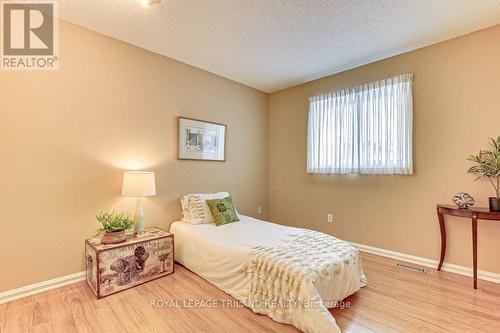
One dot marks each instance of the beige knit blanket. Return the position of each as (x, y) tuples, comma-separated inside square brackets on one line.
[(282, 279)]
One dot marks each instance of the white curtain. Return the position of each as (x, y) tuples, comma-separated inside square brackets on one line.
[(366, 129)]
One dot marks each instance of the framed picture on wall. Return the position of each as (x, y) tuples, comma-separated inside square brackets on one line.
[(201, 140)]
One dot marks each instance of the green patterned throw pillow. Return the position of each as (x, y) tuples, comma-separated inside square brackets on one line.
[(223, 210)]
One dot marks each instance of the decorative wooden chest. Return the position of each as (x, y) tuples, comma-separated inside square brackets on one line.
[(115, 267)]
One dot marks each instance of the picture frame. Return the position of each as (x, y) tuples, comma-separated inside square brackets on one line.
[(201, 140)]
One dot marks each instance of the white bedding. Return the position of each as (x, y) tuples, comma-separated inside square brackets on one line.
[(221, 256)]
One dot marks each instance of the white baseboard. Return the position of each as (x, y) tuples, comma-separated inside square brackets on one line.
[(452, 268), (12, 295), (32, 289)]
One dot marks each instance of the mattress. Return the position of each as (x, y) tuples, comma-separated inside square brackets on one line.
[(221, 255)]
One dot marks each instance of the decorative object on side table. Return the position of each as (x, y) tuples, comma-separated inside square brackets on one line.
[(114, 226), (463, 200), (115, 267), (201, 140), (139, 184), (488, 166)]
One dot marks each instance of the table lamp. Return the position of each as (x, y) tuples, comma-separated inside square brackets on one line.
[(139, 184)]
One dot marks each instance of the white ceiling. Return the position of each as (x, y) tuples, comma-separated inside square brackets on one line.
[(274, 44)]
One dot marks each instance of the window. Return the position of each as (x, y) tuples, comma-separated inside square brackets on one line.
[(367, 129)]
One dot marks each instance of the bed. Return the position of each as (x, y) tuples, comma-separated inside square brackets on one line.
[(290, 274)]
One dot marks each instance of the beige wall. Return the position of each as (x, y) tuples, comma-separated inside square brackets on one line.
[(456, 107), (66, 136)]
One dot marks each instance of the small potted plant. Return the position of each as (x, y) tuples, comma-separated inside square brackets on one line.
[(114, 226), (488, 166)]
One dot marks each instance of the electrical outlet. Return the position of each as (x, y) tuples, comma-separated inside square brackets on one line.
[(259, 210), (330, 218)]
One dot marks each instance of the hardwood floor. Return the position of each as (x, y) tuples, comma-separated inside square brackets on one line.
[(395, 300)]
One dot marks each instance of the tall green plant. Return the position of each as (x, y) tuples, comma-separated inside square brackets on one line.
[(112, 221), (488, 165)]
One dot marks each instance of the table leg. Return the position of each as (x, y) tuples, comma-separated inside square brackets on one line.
[(474, 249), (443, 239)]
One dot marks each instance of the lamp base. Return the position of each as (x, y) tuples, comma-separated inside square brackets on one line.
[(139, 215)]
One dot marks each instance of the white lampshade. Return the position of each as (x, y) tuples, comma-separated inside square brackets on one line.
[(138, 184)]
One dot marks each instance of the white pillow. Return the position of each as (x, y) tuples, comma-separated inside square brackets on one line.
[(195, 209)]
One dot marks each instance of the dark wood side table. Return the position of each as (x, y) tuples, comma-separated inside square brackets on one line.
[(472, 213)]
